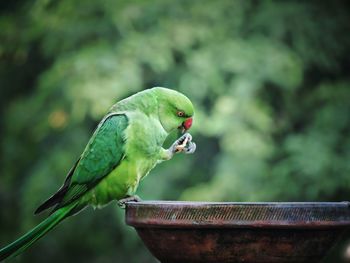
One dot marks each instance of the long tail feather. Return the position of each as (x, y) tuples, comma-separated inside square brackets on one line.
[(22, 243)]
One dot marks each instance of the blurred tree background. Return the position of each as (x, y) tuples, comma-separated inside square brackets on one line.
[(269, 80)]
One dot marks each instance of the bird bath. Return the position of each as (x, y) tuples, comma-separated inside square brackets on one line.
[(238, 232)]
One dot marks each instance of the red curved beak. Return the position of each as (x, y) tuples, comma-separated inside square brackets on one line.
[(186, 125)]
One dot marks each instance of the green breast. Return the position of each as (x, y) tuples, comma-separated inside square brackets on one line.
[(143, 144)]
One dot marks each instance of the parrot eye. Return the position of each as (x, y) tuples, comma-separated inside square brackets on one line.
[(180, 113)]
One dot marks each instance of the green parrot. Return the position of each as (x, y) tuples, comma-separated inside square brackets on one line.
[(124, 148)]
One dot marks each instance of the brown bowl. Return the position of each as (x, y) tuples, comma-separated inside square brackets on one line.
[(238, 232)]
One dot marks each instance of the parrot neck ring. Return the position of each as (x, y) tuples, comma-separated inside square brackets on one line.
[(186, 125)]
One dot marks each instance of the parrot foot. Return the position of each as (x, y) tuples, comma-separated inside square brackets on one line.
[(183, 144), (133, 198)]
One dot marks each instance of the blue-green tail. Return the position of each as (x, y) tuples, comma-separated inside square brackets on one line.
[(25, 241)]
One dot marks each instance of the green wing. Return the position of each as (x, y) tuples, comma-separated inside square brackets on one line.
[(103, 153)]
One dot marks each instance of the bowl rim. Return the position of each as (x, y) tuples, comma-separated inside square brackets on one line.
[(202, 214)]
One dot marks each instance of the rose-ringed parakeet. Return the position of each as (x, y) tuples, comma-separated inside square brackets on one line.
[(126, 145)]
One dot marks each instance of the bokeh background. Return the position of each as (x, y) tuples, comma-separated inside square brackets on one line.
[(269, 80)]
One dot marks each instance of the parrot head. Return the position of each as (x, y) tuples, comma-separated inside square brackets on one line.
[(175, 110)]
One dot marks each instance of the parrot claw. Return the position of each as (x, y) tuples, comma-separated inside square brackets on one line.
[(183, 144), (133, 198), (191, 148)]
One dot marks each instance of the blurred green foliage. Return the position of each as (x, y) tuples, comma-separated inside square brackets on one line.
[(269, 80)]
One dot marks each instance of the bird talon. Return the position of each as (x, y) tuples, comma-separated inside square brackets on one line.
[(182, 142), (191, 148), (134, 198)]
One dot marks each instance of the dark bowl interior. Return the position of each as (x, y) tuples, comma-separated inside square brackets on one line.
[(238, 232)]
